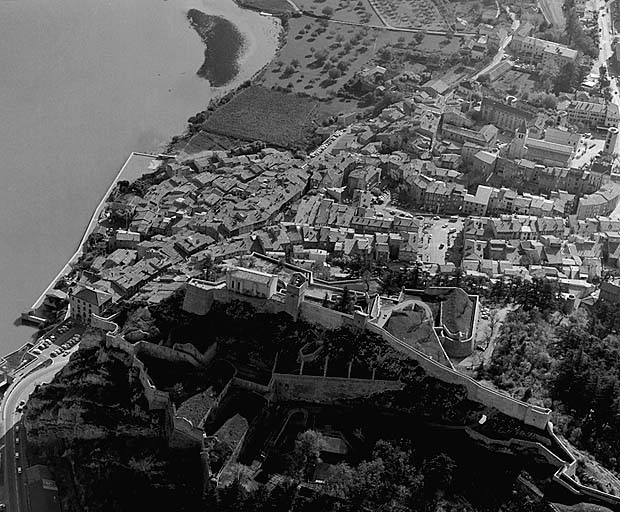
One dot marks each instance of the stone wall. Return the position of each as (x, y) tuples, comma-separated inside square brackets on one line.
[(185, 435), (325, 390), (105, 324), (328, 318), (529, 414), (191, 350)]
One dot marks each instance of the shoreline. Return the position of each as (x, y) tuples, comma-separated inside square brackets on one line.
[(94, 221), (246, 52)]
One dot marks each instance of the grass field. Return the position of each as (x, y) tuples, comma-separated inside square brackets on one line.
[(277, 118)]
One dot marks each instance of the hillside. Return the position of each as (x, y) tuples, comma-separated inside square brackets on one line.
[(93, 424)]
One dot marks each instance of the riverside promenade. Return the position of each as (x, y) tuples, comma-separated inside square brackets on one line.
[(135, 166)]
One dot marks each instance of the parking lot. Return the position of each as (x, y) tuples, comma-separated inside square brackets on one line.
[(437, 236), (59, 342)]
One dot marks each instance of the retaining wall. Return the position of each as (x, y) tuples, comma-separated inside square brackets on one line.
[(306, 388)]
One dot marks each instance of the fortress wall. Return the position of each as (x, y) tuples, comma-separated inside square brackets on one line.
[(192, 351), (307, 388), (261, 305), (325, 317), (529, 414), (166, 353), (185, 435), (118, 341), (197, 300), (250, 386), (105, 324)]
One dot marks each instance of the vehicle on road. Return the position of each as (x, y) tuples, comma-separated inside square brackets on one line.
[(19, 470), (440, 246), (17, 455), (17, 440), (53, 354), (444, 226), (436, 217)]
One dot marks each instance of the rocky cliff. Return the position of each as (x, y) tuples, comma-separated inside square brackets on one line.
[(93, 423)]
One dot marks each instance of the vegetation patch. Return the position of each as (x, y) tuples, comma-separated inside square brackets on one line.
[(257, 113), (223, 45)]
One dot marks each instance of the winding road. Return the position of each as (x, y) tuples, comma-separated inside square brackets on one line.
[(20, 390)]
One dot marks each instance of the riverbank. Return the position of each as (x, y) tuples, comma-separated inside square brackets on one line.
[(90, 115), (130, 172)]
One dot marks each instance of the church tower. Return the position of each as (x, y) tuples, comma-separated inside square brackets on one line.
[(517, 148)]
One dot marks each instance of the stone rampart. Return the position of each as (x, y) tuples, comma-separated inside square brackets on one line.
[(191, 350), (166, 353), (328, 318), (529, 414), (185, 435), (306, 388), (248, 385), (105, 324)]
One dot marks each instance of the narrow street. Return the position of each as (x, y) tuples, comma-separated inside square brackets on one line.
[(606, 49), (502, 49)]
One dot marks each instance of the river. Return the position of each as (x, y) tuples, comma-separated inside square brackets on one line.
[(82, 84)]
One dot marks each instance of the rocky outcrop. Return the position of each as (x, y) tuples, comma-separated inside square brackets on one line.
[(101, 420)]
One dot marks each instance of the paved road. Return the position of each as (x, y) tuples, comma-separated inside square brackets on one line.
[(20, 391), (552, 11), (606, 50)]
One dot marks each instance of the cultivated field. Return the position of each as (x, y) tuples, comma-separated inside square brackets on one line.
[(277, 118), (319, 58), (411, 14)]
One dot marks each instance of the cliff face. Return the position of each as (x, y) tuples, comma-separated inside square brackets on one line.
[(93, 423), (94, 396)]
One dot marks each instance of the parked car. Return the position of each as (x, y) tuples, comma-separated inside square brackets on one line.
[(17, 455), (19, 470)]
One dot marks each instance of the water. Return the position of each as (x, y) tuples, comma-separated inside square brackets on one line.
[(82, 84)]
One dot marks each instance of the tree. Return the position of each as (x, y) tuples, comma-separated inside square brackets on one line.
[(439, 473), (321, 55), (327, 10), (306, 455), (334, 73)]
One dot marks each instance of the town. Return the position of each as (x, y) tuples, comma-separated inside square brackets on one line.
[(476, 184)]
